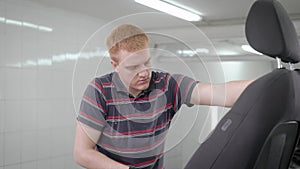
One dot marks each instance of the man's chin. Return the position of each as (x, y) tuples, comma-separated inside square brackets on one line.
[(143, 87)]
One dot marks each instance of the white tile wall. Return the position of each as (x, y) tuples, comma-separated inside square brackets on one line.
[(45, 114), (2, 11), (37, 117), (45, 79), (45, 163), (29, 44), (61, 84), (69, 140), (29, 116), (59, 142), (69, 113), (2, 113), (37, 104), (69, 163), (12, 116), (2, 43), (12, 83), (44, 143), (1, 149), (28, 144), (13, 45), (2, 83), (29, 165), (16, 166), (28, 81), (58, 162), (60, 114), (12, 147)]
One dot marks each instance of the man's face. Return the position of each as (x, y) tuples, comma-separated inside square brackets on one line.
[(134, 69)]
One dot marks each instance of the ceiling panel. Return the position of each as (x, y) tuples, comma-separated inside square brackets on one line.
[(223, 19)]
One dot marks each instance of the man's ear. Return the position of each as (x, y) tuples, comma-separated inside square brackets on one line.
[(114, 64)]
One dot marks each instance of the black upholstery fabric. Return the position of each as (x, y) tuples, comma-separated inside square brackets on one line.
[(280, 145), (270, 31), (267, 102), (244, 138)]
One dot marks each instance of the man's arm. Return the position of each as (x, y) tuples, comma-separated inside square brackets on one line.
[(85, 153), (224, 94)]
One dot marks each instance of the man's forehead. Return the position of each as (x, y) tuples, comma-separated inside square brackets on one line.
[(136, 57)]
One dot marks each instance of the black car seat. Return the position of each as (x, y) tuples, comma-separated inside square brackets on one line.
[(261, 130)]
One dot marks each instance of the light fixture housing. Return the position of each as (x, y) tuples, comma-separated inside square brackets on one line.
[(171, 9)]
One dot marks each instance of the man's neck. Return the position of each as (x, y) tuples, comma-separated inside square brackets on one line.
[(134, 92)]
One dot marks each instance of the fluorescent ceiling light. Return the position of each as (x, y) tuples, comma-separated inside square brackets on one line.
[(202, 50), (13, 22), (44, 62), (183, 6), (2, 19), (30, 63), (191, 53), (30, 25), (186, 53), (170, 9), (248, 48), (25, 24), (44, 28), (226, 53)]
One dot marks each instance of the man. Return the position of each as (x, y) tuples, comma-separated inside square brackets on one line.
[(125, 115)]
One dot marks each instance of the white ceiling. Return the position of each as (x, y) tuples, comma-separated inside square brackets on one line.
[(212, 10), (223, 20)]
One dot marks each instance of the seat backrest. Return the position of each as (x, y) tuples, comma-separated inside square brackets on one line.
[(263, 125), (279, 147)]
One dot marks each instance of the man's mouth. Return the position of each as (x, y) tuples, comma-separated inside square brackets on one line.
[(143, 81)]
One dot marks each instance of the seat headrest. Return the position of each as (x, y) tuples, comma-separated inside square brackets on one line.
[(270, 31)]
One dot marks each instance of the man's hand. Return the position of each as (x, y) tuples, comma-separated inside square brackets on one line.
[(85, 153)]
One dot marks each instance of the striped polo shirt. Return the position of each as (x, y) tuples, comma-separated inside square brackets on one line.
[(134, 129)]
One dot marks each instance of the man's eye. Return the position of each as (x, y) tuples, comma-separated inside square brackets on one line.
[(147, 63), (133, 67)]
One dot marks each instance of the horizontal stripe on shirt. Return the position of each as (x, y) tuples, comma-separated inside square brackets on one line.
[(134, 129)]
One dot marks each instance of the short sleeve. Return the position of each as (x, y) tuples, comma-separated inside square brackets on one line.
[(182, 88), (92, 110)]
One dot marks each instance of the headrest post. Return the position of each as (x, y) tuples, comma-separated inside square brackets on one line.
[(279, 65), (291, 66)]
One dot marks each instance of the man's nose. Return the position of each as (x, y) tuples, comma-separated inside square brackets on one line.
[(144, 72)]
